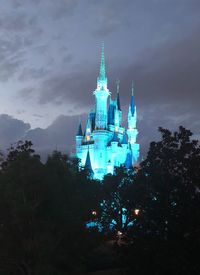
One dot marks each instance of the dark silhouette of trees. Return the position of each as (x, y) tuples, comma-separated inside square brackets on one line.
[(117, 206), (43, 211), (149, 218), (167, 234)]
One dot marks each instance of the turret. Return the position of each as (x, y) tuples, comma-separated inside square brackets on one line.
[(79, 138), (88, 130), (79, 132), (101, 94), (128, 161), (88, 164), (132, 131), (132, 115), (118, 98), (118, 112)]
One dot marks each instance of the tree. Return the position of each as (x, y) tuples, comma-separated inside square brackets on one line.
[(20, 195), (171, 172), (167, 234), (43, 213), (117, 207)]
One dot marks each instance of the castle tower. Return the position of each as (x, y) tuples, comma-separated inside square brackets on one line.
[(132, 131), (101, 95), (106, 143), (79, 137), (118, 112)]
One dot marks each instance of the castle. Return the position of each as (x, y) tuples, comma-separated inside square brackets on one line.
[(105, 144)]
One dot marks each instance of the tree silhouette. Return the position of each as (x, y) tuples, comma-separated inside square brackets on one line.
[(167, 234)]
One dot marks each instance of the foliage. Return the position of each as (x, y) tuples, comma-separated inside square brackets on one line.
[(167, 234), (117, 206), (43, 212), (44, 208)]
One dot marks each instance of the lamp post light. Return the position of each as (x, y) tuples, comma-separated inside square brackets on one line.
[(94, 213), (137, 211)]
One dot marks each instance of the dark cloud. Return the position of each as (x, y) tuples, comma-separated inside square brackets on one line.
[(59, 135), (18, 30), (110, 17), (32, 74), (68, 58), (26, 92), (16, 22), (12, 130), (166, 117), (75, 88), (169, 75), (16, 4), (62, 8)]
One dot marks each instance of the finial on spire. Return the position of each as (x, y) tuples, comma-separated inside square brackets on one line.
[(118, 82), (132, 100), (102, 74), (118, 99), (132, 88)]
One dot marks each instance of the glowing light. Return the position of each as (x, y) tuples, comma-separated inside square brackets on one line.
[(119, 233), (88, 138), (136, 211), (116, 129), (94, 213)]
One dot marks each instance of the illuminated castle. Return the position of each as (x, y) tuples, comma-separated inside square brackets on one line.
[(105, 144)]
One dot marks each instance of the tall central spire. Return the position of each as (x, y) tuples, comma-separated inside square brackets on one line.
[(102, 80), (132, 106), (102, 74)]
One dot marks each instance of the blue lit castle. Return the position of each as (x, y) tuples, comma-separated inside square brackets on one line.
[(105, 144)]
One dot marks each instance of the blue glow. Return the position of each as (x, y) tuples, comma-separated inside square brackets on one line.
[(94, 224), (109, 144)]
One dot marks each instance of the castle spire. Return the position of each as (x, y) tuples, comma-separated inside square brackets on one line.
[(118, 98), (102, 79), (79, 132), (132, 106), (88, 164), (132, 88), (102, 73)]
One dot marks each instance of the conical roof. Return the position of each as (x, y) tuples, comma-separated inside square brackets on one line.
[(115, 138), (118, 97), (128, 162), (88, 163), (80, 132)]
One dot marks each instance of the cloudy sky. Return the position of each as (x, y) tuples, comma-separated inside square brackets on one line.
[(50, 55)]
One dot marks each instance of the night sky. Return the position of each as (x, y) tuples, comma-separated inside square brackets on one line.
[(50, 56)]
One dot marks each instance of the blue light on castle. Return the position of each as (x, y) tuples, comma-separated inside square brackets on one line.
[(105, 144)]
